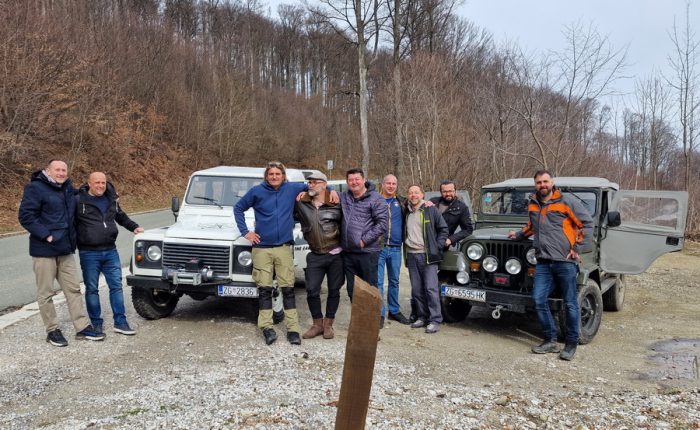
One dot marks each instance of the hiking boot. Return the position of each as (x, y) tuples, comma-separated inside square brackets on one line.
[(568, 352), (270, 336), (418, 323), (124, 329), (398, 316), (293, 338), (89, 333), (315, 330), (432, 328), (328, 332), (546, 347), (381, 323), (55, 338)]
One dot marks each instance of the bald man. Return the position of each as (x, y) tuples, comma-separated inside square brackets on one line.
[(97, 217)]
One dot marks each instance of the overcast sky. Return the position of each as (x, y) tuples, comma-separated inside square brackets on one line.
[(641, 25)]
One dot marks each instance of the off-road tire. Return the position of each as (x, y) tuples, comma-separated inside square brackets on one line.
[(153, 304), (454, 310), (590, 303), (614, 298)]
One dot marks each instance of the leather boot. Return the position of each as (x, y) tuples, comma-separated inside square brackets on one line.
[(328, 332), (314, 330)]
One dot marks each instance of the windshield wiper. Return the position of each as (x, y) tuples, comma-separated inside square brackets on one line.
[(209, 199)]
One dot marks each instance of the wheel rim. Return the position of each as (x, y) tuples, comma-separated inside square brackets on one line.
[(588, 310)]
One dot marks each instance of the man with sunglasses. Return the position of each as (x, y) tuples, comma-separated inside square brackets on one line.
[(320, 222)]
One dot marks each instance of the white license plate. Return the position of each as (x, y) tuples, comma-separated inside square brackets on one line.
[(464, 293), (231, 291)]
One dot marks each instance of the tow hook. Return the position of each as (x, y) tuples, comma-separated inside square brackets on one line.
[(496, 314)]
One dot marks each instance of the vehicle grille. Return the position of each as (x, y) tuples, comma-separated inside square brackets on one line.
[(504, 250), (216, 257)]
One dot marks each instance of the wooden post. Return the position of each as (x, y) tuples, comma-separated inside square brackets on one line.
[(360, 353)]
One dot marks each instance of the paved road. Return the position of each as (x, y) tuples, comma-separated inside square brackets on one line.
[(17, 287)]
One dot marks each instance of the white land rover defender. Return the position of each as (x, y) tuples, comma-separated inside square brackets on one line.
[(203, 254)]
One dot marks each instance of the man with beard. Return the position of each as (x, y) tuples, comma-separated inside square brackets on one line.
[(454, 211), (320, 222), (559, 224)]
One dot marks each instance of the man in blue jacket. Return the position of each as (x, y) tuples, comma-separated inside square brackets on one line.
[(273, 245), (96, 221), (47, 212)]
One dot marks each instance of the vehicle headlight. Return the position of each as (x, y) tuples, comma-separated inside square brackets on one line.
[(530, 256), (490, 264), (154, 253), (513, 266), (245, 258), (462, 277), (475, 251)]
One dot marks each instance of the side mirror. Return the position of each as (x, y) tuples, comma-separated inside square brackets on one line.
[(614, 219), (175, 206)]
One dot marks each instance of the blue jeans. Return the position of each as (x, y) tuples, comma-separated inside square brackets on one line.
[(107, 262), (548, 276), (391, 257)]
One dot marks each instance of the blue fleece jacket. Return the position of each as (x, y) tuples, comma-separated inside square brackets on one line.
[(274, 212)]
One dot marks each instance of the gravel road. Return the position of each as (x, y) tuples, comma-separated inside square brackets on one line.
[(207, 367)]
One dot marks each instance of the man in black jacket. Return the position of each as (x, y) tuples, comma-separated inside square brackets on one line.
[(454, 211), (98, 214), (320, 222), (424, 241), (47, 212)]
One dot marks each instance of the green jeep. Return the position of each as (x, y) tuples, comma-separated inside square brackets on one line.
[(630, 230)]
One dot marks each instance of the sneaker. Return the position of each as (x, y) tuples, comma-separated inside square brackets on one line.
[(89, 333), (381, 323), (546, 347), (270, 336), (293, 338), (124, 329), (432, 328), (398, 316), (55, 338), (568, 352), (418, 323), (98, 328)]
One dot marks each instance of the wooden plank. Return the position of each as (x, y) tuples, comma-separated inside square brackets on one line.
[(360, 354)]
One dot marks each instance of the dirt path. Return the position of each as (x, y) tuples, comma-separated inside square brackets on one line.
[(207, 367)]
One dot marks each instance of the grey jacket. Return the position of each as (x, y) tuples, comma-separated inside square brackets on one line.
[(364, 218), (560, 225)]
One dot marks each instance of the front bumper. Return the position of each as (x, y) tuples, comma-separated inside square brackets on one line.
[(208, 288), (507, 300)]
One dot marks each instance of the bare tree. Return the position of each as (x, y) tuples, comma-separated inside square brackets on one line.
[(686, 81), (359, 23), (560, 90)]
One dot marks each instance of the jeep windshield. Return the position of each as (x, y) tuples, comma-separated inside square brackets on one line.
[(514, 201), (218, 190)]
